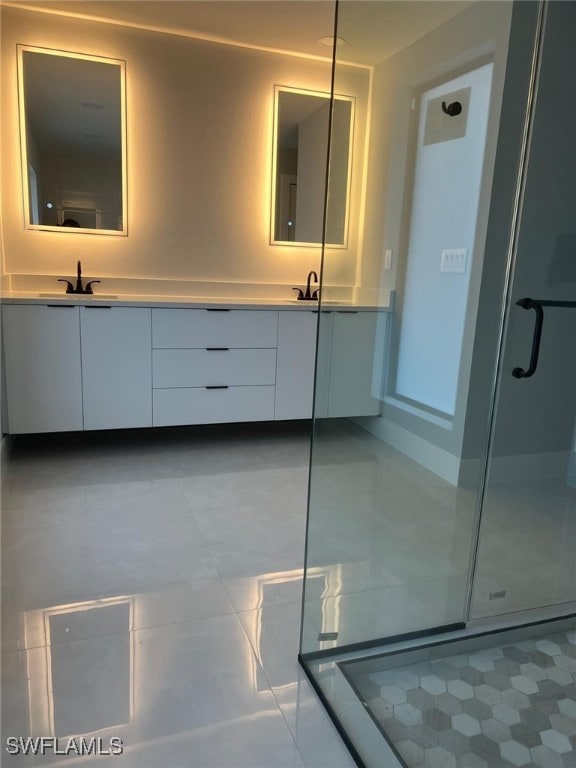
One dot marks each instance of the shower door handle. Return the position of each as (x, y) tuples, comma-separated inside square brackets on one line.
[(538, 306), (521, 373)]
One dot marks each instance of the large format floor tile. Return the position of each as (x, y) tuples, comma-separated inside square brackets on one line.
[(184, 683), (172, 561), (126, 559), (395, 542), (274, 632)]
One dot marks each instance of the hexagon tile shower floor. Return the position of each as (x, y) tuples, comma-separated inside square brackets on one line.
[(503, 706)]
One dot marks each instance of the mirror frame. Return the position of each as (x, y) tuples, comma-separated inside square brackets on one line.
[(278, 89), (21, 49)]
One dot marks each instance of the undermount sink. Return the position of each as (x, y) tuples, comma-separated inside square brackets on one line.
[(91, 296)]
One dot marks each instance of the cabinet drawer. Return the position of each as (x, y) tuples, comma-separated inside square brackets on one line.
[(201, 367), (212, 406), (201, 328)]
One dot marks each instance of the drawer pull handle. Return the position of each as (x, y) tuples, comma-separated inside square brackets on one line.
[(347, 311), (218, 310), (217, 386), (217, 349), (104, 306), (60, 306)]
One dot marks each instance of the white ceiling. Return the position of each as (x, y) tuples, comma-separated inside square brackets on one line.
[(373, 29)]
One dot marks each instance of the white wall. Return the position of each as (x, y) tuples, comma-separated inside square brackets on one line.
[(476, 36), (534, 429), (199, 157), (444, 210)]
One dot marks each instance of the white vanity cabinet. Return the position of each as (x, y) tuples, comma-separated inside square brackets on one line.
[(356, 363), (351, 356), (92, 366), (322, 389), (213, 365), (116, 366), (43, 370), (70, 367), (352, 349), (295, 364)]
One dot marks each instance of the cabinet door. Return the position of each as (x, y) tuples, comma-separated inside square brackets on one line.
[(42, 359), (324, 355), (295, 364), (356, 364), (116, 367)]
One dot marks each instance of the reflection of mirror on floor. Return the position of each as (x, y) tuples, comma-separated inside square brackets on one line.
[(95, 689)]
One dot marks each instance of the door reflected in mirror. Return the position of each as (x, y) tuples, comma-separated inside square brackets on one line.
[(300, 147), (73, 146)]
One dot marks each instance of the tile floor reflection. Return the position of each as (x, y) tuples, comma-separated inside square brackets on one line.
[(401, 536), (151, 592), (152, 583), (402, 539)]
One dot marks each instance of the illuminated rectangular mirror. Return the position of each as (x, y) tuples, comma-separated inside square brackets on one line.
[(301, 123), (73, 141)]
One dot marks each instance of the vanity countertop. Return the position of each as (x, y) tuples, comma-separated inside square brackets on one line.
[(185, 302)]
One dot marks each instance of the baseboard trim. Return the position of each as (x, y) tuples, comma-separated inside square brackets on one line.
[(552, 465), (437, 460), (532, 466)]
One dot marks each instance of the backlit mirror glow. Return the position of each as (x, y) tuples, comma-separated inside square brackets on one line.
[(73, 128), (300, 146)]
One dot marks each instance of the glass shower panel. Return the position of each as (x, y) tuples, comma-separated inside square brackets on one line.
[(442, 514), (527, 545), (392, 502)]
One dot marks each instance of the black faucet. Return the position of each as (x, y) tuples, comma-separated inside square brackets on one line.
[(308, 296), (79, 288)]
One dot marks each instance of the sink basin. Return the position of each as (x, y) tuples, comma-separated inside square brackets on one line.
[(91, 296)]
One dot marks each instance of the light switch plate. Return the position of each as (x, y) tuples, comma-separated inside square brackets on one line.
[(453, 260), (388, 259)]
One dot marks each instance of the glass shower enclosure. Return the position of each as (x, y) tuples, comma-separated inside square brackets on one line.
[(442, 498)]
